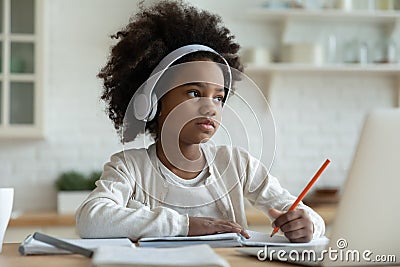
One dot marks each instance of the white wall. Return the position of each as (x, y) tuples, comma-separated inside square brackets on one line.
[(319, 117), (316, 116)]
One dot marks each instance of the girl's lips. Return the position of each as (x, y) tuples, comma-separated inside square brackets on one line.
[(206, 124)]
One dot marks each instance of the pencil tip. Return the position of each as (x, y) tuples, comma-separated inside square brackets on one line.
[(272, 234)]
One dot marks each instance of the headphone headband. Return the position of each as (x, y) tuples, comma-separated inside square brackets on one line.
[(145, 101)]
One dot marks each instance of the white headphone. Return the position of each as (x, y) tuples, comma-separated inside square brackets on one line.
[(145, 102)]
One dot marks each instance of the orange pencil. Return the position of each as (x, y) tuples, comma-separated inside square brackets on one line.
[(305, 191)]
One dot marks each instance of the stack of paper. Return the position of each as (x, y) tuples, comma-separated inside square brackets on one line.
[(30, 246), (193, 256), (226, 240)]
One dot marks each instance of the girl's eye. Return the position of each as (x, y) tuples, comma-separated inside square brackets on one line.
[(194, 94), (218, 98)]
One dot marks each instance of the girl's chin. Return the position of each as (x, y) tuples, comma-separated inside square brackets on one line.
[(200, 139)]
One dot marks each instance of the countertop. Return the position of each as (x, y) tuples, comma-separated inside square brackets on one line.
[(52, 218)]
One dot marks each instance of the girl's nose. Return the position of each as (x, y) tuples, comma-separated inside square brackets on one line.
[(207, 107)]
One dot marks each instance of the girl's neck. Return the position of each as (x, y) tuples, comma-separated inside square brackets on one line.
[(186, 161)]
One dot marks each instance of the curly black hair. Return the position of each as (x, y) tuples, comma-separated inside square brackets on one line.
[(150, 35)]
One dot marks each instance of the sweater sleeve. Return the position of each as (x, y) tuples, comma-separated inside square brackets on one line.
[(111, 210), (265, 192)]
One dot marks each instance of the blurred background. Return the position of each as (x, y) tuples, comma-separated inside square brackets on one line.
[(322, 65)]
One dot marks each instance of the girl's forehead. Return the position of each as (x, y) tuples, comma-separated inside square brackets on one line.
[(199, 72), (205, 87)]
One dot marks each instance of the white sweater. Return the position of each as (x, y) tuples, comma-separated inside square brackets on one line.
[(129, 198)]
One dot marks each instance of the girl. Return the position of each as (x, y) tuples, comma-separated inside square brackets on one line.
[(180, 185)]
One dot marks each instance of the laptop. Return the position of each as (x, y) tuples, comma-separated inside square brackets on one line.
[(366, 229)]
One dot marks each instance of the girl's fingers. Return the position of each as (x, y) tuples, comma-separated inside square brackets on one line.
[(286, 217), (293, 225), (244, 233), (212, 226), (225, 228), (237, 228), (233, 224), (301, 235)]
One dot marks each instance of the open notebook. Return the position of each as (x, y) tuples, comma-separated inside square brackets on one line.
[(226, 240)]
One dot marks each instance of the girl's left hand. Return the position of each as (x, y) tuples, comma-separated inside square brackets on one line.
[(296, 224)]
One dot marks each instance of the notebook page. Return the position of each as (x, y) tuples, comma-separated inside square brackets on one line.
[(263, 239)]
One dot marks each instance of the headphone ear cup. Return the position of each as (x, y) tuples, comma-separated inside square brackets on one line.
[(141, 106), (153, 107)]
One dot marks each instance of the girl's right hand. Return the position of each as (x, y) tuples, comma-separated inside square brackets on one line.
[(208, 226)]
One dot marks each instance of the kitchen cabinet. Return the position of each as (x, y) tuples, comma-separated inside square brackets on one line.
[(20, 65)]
